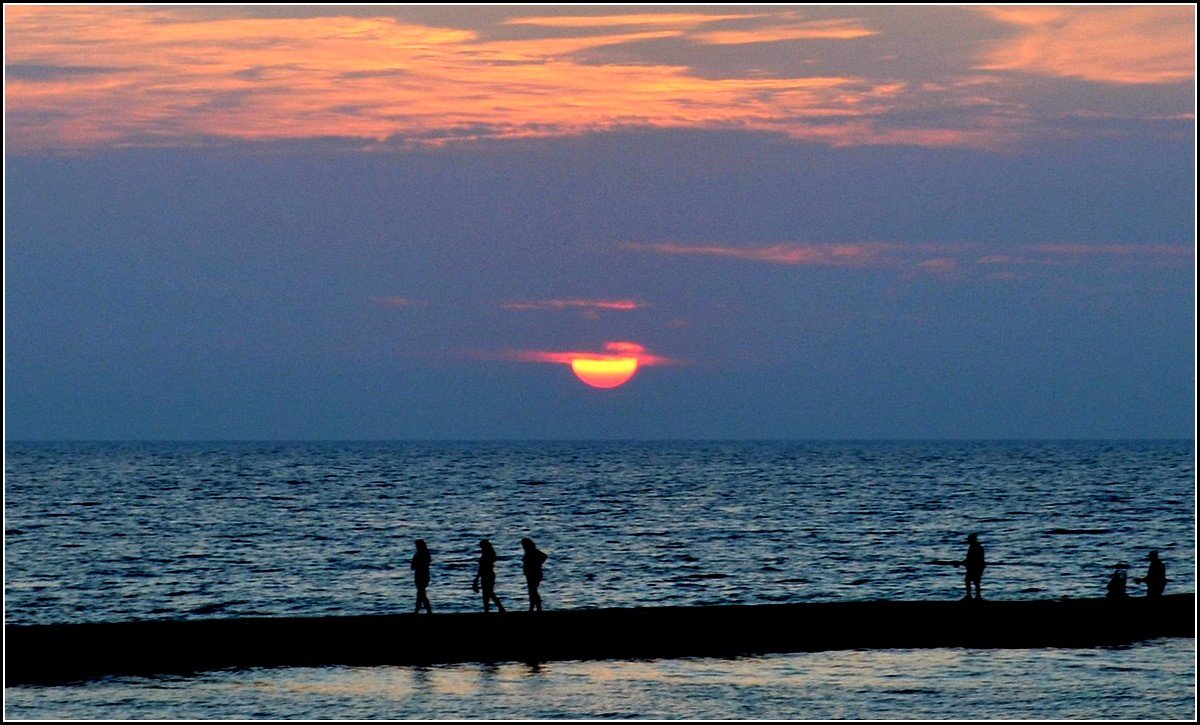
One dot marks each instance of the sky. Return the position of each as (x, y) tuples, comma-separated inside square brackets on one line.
[(414, 222)]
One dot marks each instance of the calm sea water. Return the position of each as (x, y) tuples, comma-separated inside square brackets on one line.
[(99, 532)]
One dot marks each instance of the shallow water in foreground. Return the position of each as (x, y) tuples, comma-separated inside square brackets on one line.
[(1137, 682), (192, 530)]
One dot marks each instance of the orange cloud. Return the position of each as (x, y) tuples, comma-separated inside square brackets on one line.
[(86, 77), (1146, 44), (813, 30), (573, 303), (113, 76), (939, 259), (822, 255), (686, 23), (675, 20), (612, 351)]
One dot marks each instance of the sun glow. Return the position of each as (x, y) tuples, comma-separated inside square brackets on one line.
[(605, 372), (613, 367)]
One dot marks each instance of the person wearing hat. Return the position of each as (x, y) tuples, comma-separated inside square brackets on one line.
[(1156, 576)]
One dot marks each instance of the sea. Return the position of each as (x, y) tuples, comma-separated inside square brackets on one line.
[(98, 532)]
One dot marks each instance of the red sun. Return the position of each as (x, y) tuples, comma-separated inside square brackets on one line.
[(604, 372)]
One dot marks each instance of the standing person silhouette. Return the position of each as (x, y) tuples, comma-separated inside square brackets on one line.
[(975, 564), (487, 576), (531, 564), (1156, 576), (420, 566)]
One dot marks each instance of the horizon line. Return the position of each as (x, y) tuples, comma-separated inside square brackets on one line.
[(829, 439)]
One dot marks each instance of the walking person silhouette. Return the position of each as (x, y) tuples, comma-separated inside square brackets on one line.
[(487, 576), (975, 564), (420, 566), (531, 564)]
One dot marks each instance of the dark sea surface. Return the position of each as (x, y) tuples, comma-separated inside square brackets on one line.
[(120, 531)]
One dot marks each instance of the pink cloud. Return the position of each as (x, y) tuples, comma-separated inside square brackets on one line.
[(1063, 255), (396, 302), (116, 76), (674, 20), (180, 76), (938, 258), (811, 30), (611, 351), (574, 303), (1002, 259), (827, 255), (940, 266), (1142, 250), (1122, 44), (176, 76)]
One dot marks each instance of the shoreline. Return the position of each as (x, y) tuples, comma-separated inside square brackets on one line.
[(63, 653)]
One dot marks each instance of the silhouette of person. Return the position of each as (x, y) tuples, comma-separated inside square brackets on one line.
[(487, 576), (1156, 576), (531, 564), (1116, 583), (420, 566), (975, 564)]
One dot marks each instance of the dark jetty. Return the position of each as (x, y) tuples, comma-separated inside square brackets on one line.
[(47, 654)]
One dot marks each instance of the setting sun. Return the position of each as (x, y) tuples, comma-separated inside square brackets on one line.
[(613, 367), (604, 373)]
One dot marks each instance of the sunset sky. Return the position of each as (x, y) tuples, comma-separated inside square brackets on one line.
[(406, 222)]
